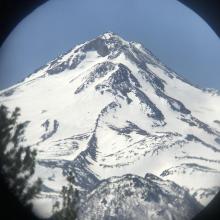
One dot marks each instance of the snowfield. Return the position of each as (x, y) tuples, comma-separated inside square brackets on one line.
[(109, 108)]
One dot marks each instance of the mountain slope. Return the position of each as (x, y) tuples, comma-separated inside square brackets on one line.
[(107, 108), (133, 197)]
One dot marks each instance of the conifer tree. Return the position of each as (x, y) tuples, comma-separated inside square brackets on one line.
[(70, 202), (17, 163)]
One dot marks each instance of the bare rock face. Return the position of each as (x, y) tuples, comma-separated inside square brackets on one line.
[(133, 197)]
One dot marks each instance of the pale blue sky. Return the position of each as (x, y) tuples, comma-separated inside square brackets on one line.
[(174, 33)]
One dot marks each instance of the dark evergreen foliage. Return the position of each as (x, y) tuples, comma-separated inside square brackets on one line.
[(17, 163), (70, 202)]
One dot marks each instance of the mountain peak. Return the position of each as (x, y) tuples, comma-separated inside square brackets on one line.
[(109, 108), (109, 34), (112, 37), (109, 46)]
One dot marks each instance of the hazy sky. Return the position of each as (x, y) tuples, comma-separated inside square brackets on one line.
[(174, 33)]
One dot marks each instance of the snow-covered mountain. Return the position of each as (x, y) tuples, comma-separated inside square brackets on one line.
[(108, 108), (134, 197)]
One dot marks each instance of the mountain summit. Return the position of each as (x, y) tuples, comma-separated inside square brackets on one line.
[(110, 111)]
